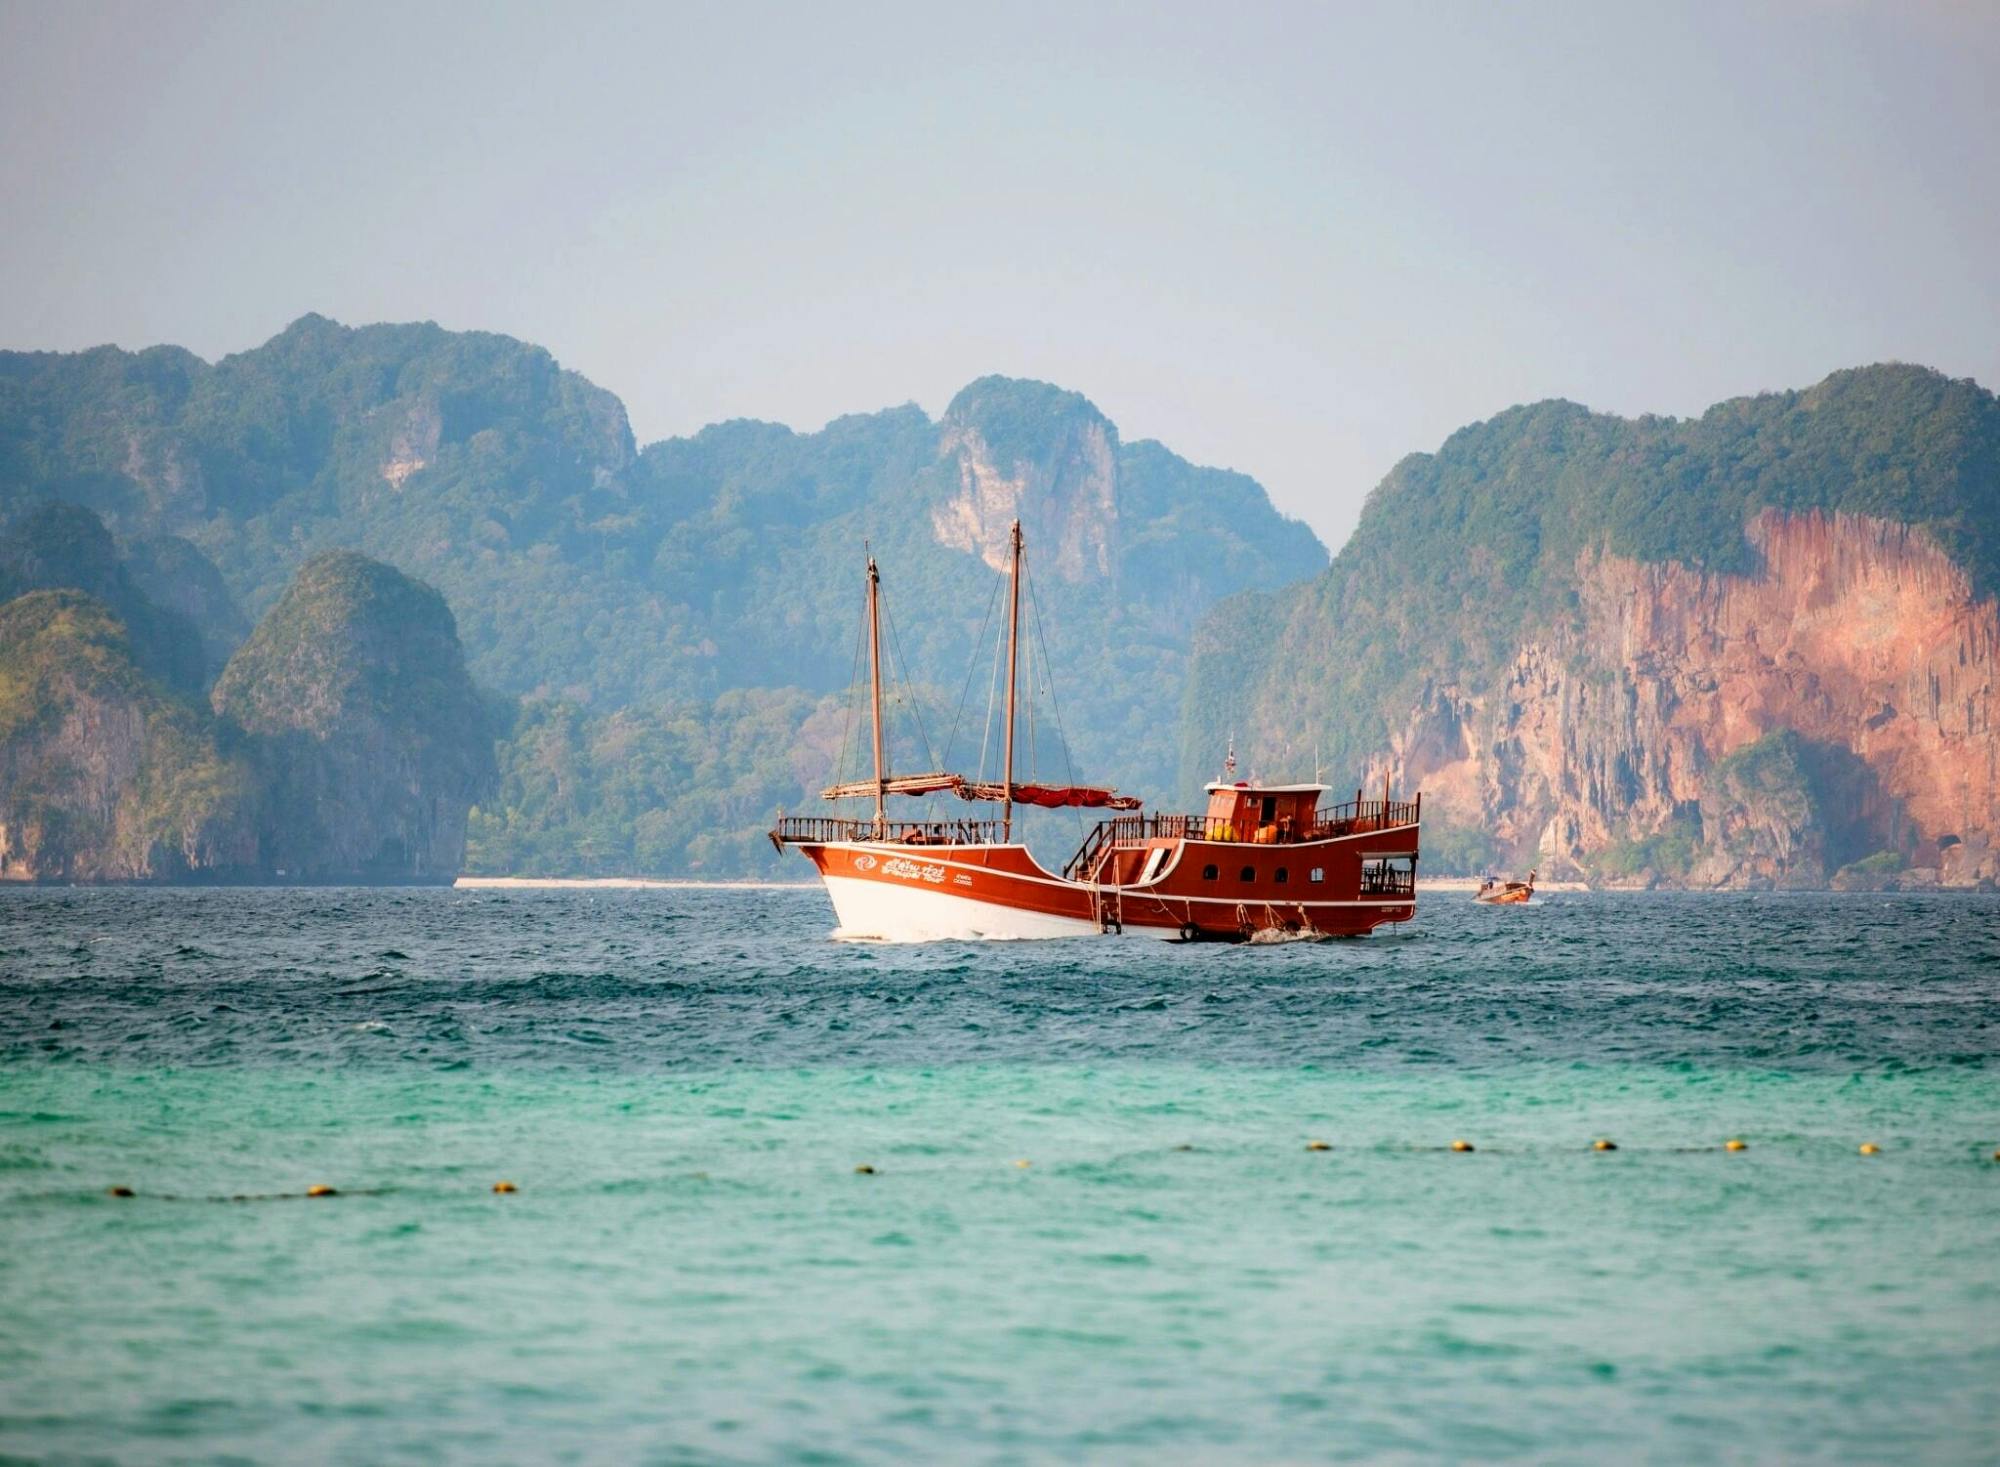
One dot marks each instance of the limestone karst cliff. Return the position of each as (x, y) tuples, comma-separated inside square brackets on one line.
[(346, 742), (367, 728), (1039, 454), (1752, 649), (1856, 662), (104, 774), (612, 590)]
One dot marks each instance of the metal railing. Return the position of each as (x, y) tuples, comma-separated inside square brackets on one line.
[(815, 829), (1388, 878), (1352, 817)]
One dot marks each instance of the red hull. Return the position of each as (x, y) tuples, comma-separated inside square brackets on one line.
[(1165, 887)]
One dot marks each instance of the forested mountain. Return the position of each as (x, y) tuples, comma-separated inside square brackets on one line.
[(660, 626), (1758, 646), (345, 741)]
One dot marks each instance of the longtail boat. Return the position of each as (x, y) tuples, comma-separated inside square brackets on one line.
[(1494, 893), (1263, 859)]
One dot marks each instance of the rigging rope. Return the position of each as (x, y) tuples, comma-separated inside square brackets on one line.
[(908, 684), (853, 691), (1055, 705), (1034, 760), (992, 689), (971, 667)]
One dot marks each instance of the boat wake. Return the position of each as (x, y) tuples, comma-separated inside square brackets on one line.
[(841, 934), (1267, 935)]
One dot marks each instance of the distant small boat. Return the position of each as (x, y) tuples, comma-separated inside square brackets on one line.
[(1505, 893)]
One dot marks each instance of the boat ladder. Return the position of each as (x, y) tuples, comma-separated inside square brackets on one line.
[(1107, 905)]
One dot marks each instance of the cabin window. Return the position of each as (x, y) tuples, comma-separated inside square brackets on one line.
[(1270, 811), (1282, 875), (1249, 873), (1319, 873), (1209, 873)]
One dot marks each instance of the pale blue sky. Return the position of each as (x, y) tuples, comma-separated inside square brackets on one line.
[(1296, 241)]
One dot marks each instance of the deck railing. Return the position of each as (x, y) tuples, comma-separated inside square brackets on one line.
[(1388, 878), (1349, 818), (1352, 817), (812, 829)]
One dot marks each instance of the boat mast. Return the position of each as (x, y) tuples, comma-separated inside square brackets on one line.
[(875, 687), (1013, 664)]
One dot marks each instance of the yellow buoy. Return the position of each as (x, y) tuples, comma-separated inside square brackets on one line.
[(1732, 1144), (118, 1192), (1605, 1144), (865, 1170), (1319, 1146), (1461, 1146), (505, 1187), (1024, 1163), (1869, 1148), (320, 1189)]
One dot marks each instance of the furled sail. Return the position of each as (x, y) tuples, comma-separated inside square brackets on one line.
[(897, 784), (1048, 796), (1054, 796)]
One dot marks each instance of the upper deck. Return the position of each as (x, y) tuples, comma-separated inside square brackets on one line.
[(1255, 814)]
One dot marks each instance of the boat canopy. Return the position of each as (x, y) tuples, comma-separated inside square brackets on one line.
[(1048, 796)]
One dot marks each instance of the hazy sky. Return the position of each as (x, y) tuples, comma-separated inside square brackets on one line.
[(1300, 242)]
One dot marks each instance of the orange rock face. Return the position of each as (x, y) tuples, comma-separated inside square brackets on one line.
[(1859, 636)]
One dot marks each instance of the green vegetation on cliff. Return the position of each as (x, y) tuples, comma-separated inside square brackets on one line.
[(346, 741), (355, 693), (1461, 553), (53, 546), (687, 788), (591, 577), (104, 773)]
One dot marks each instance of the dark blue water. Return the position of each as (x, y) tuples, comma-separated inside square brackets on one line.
[(682, 1084)]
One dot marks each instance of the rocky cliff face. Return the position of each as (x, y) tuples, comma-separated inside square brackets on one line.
[(345, 742), (1753, 647), (1050, 460), (104, 776), (365, 723), (1774, 727)]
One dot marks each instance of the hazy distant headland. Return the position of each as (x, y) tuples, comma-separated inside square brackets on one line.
[(1751, 648)]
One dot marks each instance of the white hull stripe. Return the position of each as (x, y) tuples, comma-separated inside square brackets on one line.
[(893, 913)]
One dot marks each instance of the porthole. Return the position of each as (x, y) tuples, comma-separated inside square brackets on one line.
[(1319, 873), (1249, 873), (1282, 875), (1209, 873)]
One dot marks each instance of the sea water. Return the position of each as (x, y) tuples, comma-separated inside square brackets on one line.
[(1093, 1229)]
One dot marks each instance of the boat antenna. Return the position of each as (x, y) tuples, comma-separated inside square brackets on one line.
[(1013, 668), (875, 687), (1229, 763)]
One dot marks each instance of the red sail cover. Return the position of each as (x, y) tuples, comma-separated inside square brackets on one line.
[(1055, 796)]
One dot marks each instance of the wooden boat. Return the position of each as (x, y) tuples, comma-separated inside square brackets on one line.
[(1505, 893), (1261, 858)]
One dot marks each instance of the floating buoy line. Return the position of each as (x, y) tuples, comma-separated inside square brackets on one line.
[(867, 1169)]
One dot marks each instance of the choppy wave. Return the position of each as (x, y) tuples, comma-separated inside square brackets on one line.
[(780, 1198)]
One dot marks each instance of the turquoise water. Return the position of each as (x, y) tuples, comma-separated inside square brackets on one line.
[(682, 1084)]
